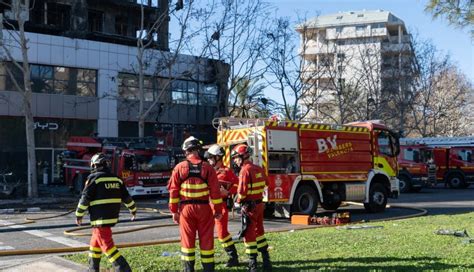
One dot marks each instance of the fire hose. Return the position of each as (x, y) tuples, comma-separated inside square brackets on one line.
[(72, 231)]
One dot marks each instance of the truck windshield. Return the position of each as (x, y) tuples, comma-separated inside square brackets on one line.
[(152, 163)]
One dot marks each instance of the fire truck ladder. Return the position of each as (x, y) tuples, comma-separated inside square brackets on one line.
[(440, 141)]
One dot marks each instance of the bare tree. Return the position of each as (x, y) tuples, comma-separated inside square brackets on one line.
[(291, 72), (231, 31), (441, 105), (18, 40)]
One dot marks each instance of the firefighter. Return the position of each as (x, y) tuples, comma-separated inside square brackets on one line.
[(102, 196), (192, 184), (252, 181), (228, 182)]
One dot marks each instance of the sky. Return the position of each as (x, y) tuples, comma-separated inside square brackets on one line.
[(447, 38)]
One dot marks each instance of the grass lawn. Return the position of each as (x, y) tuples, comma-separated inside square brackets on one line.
[(404, 245)]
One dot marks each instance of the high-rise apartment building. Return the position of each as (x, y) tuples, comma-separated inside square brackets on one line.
[(365, 52)]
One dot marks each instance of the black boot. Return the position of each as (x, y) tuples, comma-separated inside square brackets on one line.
[(233, 257), (94, 264), (252, 263), (121, 265), (188, 266), (267, 265), (208, 267)]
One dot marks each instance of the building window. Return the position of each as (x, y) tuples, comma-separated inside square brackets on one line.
[(339, 17), (360, 27), (360, 15), (121, 25), (339, 29), (58, 15), (128, 87), (208, 94), (96, 21), (378, 25), (52, 79)]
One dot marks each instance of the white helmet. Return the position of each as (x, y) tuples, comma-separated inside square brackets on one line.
[(216, 150), (191, 143)]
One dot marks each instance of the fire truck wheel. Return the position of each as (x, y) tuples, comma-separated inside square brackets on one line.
[(305, 200), (405, 184), (456, 181), (377, 198)]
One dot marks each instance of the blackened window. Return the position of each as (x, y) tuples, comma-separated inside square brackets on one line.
[(121, 25), (96, 20), (208, 95), (58, 15), (52, 79), (153, 87)]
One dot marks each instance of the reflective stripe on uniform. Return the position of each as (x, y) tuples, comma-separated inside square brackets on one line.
[(258, 184), (95, 255), (108, 179), (258, 175), (106, 201), (79, 214), (174, 200), (227, 241), (193, 186), (207, 256), (128, 205), (241, 196), (82, 207), (104, 221), (110, 251), (188, 254), (251, 247), (188, 194), (261, 242), (95, 249), (216, 201), (256, 192)]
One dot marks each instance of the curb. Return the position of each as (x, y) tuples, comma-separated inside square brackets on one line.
[(19, 210)]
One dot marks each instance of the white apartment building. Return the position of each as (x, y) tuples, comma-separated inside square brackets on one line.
[(368, 51)]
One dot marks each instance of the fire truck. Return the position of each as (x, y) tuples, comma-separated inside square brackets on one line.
[(310, 163), (452, 157), (141, 163), (416, 167)]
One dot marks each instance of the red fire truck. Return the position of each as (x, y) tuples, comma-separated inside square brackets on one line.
[(141, 163), (452, 157), (310, 163), (416, 167)]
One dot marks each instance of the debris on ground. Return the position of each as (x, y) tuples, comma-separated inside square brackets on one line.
[(457, 233), (356, 227)]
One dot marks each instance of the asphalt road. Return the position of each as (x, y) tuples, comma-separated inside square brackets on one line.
[(49, 233)]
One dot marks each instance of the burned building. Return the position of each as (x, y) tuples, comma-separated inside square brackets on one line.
[(84, 74)]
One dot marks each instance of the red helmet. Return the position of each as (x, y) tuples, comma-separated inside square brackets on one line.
[(241, 150)]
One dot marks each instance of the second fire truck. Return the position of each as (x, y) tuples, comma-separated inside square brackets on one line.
[(453, 157), (309, 163), (141, 163)]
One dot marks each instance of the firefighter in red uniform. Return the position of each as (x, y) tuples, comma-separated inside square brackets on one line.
[(252, 181), (192, 184), (102, 196), (228, 182)]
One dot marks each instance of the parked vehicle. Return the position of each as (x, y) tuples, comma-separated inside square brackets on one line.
[(141, 163), (311, 163), (416, 167), (453, 159)]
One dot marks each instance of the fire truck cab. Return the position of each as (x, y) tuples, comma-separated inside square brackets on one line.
[(416, 167), (139, 162), (310, 163)]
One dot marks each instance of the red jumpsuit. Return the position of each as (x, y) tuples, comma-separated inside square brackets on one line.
[(229, 181), (252, 181), (191, 185)]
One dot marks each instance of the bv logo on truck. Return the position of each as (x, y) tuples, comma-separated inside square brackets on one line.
[(333, 150)]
